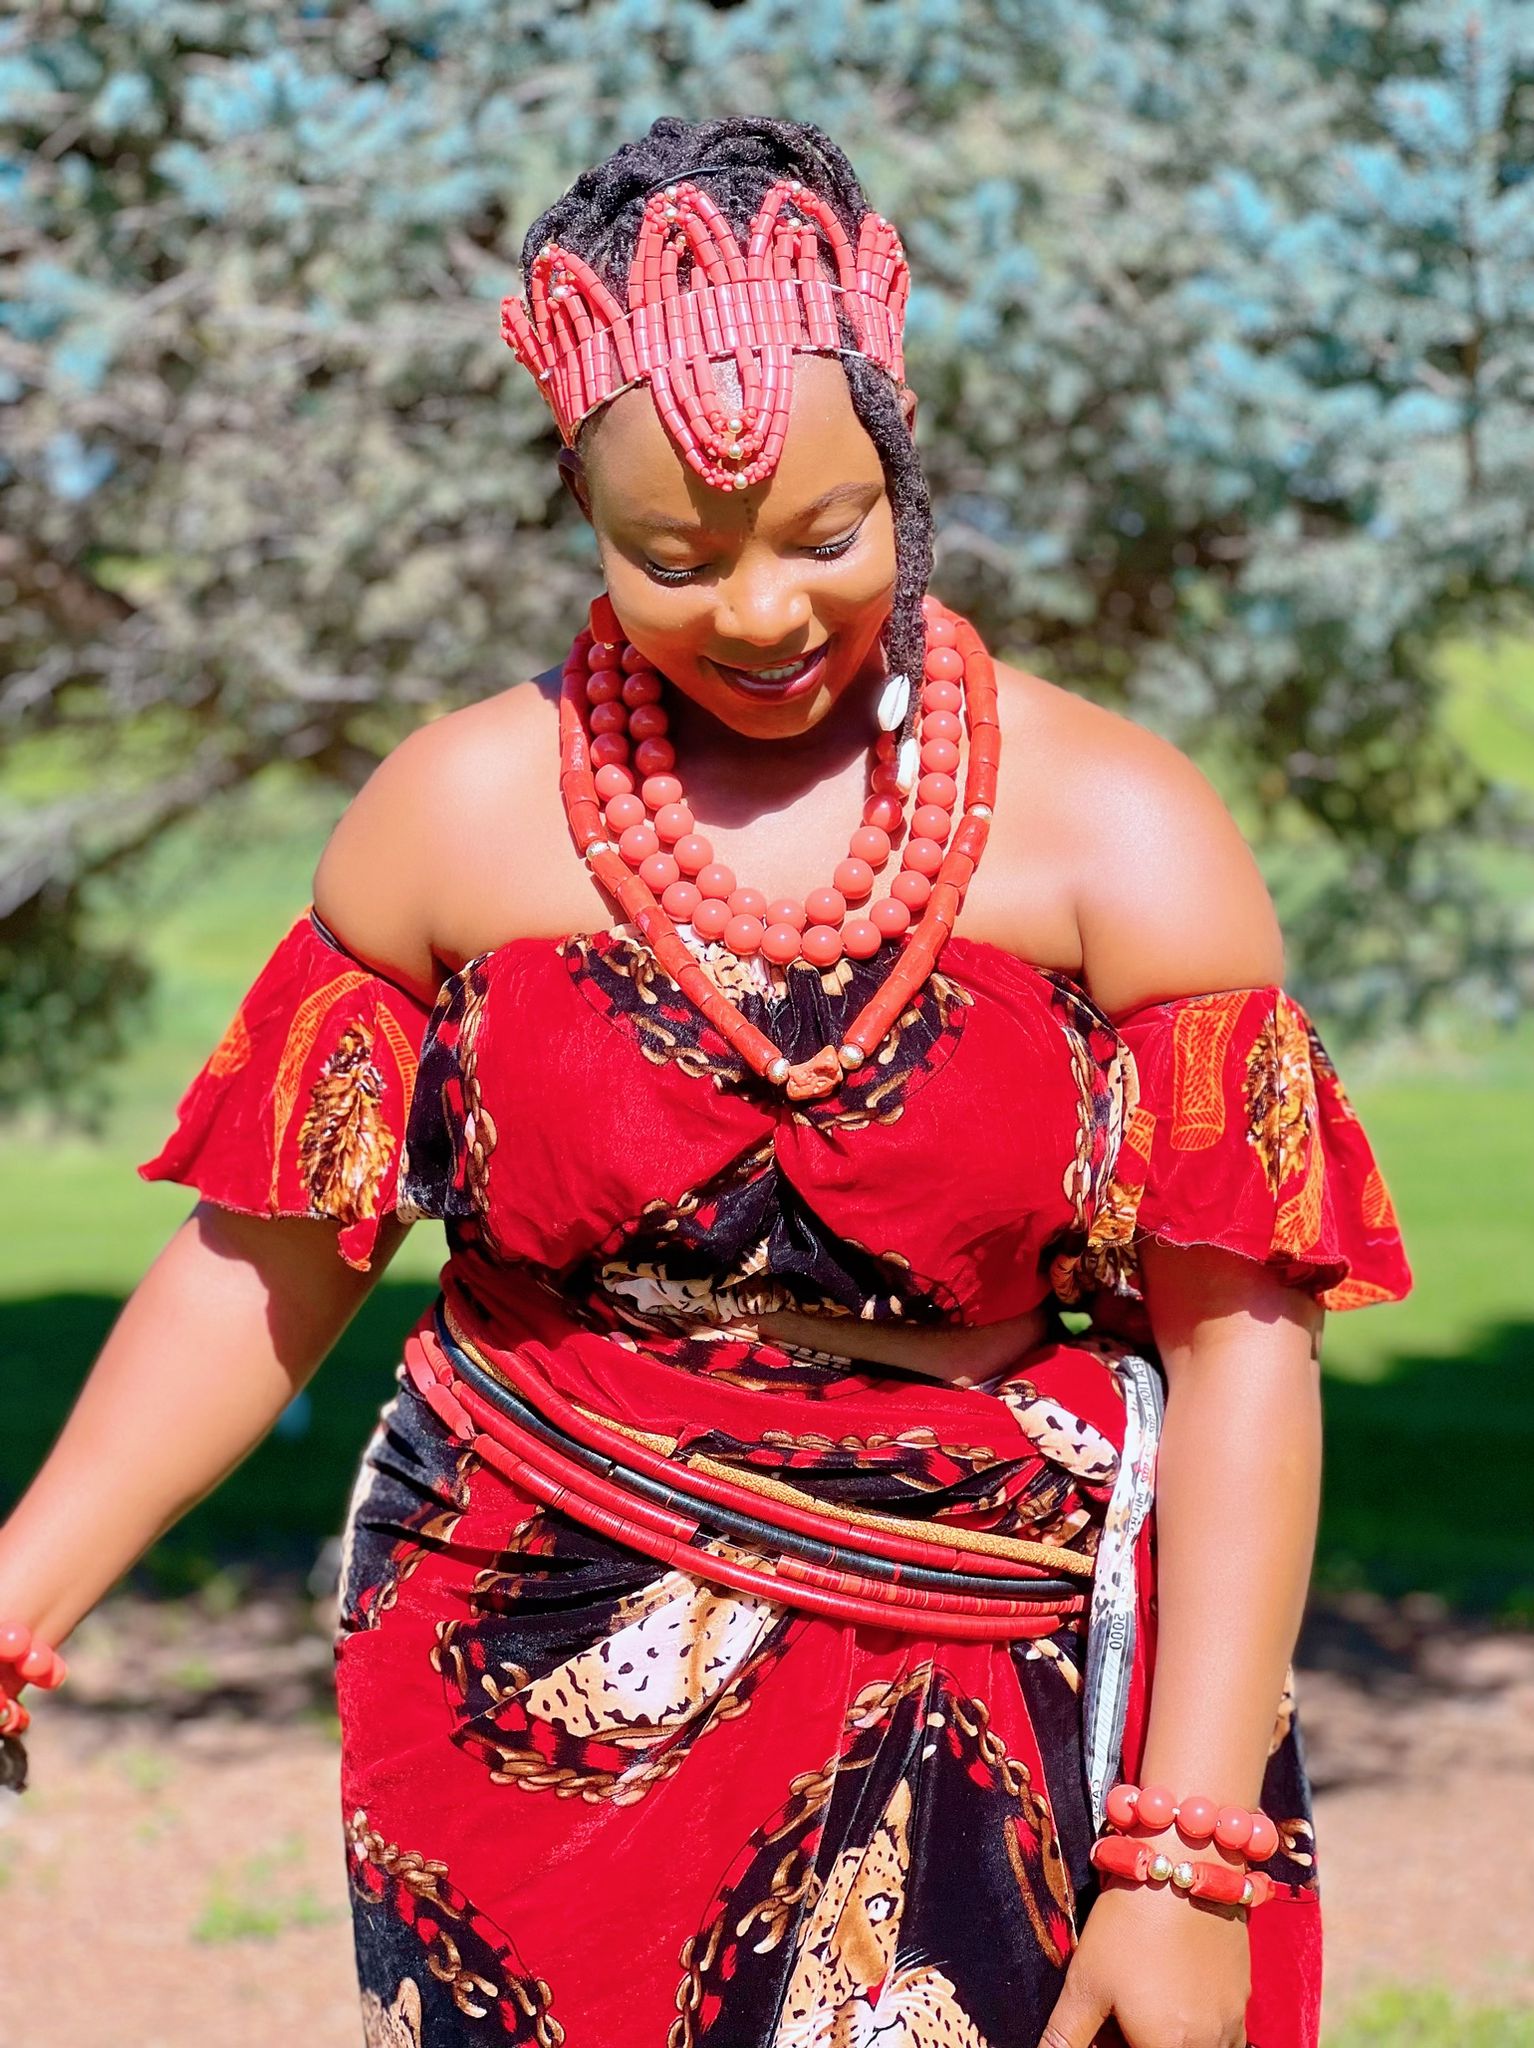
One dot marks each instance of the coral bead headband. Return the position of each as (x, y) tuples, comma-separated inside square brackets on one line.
[(759, 306)]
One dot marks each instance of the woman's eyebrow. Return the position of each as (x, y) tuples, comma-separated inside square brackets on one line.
[(663, 522)]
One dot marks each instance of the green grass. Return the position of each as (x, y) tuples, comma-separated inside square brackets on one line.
[(250, 1901), (1430, 1403), (1401, 2018)]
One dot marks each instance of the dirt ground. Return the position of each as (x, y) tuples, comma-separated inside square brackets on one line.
[(174, 1878)]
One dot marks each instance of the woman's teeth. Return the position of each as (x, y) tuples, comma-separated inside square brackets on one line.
[(784, 672)]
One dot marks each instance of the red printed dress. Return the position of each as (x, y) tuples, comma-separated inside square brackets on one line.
[(628, 1795)]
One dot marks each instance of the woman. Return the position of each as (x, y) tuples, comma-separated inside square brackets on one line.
[(751, 1593)]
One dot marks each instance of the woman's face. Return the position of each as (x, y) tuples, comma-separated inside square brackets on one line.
[(717, 586)]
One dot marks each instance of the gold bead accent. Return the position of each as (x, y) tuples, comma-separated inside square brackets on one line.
[(1183, 1876), (778, 1072), (1248, 1893), (1160, 1867), (850, 1055)]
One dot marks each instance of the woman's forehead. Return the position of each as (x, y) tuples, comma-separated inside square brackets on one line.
[(634, 468)]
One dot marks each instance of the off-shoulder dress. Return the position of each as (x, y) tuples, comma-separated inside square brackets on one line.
[(658, 1790)]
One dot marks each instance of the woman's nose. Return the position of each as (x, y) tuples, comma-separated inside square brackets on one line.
[(761, 610)]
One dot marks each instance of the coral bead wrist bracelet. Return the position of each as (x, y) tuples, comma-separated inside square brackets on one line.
[(1237, 1828), (34, 1663), (1144, 1865)]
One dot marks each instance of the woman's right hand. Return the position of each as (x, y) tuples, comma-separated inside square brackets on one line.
[(1154, 1970)]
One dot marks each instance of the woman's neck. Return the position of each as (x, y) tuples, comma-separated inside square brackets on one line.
[(742, 776)]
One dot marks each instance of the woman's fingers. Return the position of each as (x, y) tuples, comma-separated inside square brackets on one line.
[(1078, 2014)]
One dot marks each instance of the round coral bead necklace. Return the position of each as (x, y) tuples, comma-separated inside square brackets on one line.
[(629, 817)]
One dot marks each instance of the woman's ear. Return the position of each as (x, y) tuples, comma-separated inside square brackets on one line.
[(573, 478)]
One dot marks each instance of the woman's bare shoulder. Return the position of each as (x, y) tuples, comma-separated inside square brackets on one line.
[(1168, 897), (387, 882)]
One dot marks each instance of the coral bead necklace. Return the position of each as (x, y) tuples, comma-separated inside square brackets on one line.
[(630, 821)]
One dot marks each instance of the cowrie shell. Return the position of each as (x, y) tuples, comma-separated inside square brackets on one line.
[(908, 763), (894, 702)]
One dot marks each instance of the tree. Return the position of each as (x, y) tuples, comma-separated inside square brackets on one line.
[(1221, 322)]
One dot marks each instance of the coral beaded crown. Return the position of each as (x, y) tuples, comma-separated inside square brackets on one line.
[(758, 305)]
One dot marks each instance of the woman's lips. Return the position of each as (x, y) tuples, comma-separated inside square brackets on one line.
[(753, 684)]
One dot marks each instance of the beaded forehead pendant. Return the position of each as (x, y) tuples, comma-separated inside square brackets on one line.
[(758, 306)]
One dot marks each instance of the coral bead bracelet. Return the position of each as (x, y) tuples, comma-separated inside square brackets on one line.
[(34, 1662), (1236, 1828), (1144, 1865)]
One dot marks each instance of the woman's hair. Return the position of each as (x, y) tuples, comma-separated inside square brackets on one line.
[(735, 161)]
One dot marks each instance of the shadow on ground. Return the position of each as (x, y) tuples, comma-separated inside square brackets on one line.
[(1428, 1484)]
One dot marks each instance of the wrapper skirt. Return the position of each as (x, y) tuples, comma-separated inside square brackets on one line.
[(597, 1797)]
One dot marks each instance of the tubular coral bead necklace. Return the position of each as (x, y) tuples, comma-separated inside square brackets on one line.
[(629, 820)]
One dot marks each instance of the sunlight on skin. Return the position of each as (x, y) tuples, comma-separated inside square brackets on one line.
[(966, 1357)]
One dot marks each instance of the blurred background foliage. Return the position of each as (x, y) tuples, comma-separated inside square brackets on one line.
[(1223, 326)]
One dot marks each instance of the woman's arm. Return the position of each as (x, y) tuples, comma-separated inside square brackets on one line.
[(238, 1310), (1170, 902), (231, 1320), (1238, 1475), (1238, 1487)]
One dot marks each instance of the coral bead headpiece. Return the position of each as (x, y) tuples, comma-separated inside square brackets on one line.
[(759, 306)]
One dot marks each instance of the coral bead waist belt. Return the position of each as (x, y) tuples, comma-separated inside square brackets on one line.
[(749, 1532)]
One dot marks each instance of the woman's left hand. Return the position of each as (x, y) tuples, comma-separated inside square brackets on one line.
[(1172, 1972)]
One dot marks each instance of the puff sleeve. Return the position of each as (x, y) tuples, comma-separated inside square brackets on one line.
[(1237, 1132), (301, 1107)]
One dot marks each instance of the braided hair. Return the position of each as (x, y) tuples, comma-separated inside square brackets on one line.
[(735, 160)]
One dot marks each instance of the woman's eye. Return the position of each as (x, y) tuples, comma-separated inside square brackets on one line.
[(825, 552), (837, 547)]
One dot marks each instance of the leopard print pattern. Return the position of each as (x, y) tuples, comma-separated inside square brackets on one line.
[(674, 1658), (845, 1986), (393, 2026)]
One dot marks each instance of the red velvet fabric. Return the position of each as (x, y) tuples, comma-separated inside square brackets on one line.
[(1244, 1137), (300, 1108), (622, 1201)]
